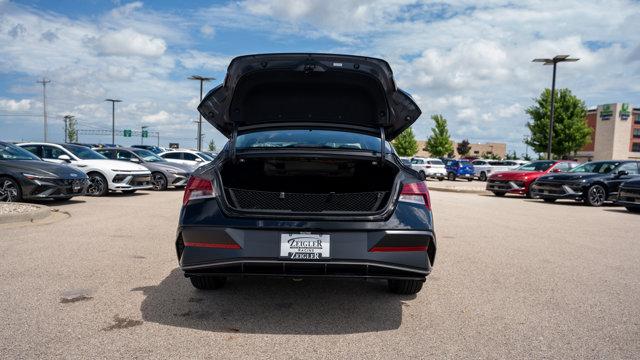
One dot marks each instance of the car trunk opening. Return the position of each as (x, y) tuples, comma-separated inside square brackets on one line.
[(307, 185)]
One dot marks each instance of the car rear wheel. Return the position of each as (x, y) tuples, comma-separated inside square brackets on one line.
[(483, 176), (405, 287), (208, 282), (159, 181), (9, 190), (497, 193), (97, 185), (451, 176), (440, 178), (596, 195)]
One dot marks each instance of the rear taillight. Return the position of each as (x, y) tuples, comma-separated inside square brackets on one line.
[(198, 188), (416, 193)]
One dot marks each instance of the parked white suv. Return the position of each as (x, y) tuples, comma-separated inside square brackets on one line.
[(431, 168), (104, 174), (484, 167), (187, 157)]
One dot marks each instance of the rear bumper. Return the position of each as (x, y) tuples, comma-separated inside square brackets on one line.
[(258, 253)]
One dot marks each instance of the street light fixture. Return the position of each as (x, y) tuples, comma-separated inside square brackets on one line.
[(202, 79), (556, 59), (113, 119)]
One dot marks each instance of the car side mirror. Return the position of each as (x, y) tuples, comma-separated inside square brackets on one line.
[(198, 160), (135, 160), (622, 173), (64, 157)]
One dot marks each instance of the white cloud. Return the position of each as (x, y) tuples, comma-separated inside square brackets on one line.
[(194, 59), (159, 117), (130, 42), (13, 105), (207, 31)]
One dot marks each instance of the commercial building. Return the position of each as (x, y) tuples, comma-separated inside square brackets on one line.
[(615, 135), (478, 150)]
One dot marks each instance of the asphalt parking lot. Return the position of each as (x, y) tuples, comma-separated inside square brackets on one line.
[(513, 278)]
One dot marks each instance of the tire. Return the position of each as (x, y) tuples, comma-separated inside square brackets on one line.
[(596, 195), (404, 287), (470, 179), (9, 190), (528, 195), (208, 282), (440, 178), (549, 200), (158, 181), (633, 209), (451, 176), (483, 176), (499, 194), (128, 191), (98, 185)]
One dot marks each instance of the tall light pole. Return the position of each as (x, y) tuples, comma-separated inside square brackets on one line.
[(113, 118), (202, 79), (44, 83), (556, 59)]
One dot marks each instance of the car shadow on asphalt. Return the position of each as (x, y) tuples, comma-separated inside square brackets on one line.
[(275, 306), (623, 210), (57, 203)]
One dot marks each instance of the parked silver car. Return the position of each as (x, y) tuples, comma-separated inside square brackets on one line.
[(163, 173)]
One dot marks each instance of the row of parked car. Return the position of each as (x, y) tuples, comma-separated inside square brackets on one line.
[(36, 170), (593, 183), (453, 169)]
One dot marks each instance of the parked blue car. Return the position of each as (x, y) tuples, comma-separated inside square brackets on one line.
[(459, 169)]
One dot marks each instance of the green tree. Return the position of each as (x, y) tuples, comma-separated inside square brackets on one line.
[(463, 147), (212, 145), (72, 128), (439, 143), (406, 144), (511, 156), (526, 157), (570, 130)]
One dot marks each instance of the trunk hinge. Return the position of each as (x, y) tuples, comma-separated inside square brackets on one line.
[(383, 145), (232, 147)]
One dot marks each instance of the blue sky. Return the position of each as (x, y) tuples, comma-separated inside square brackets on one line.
[(469, 61)]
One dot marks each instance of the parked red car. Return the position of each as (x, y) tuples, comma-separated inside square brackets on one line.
[(517, 181)]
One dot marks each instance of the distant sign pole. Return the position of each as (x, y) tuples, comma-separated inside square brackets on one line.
[(202, 79)]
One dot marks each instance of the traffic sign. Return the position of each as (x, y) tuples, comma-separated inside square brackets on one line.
[(127, 133)]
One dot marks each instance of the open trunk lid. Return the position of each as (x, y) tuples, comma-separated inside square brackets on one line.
[(338, 91)]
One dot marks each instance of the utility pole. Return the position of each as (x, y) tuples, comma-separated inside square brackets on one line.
[(556, 59), (44, 83), (142, 134), (202, 79), (113, 118)]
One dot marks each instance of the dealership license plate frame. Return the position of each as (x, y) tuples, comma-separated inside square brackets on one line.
[(305, 246)]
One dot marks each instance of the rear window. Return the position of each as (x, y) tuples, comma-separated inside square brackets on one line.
[(309, 139), (436, 162)]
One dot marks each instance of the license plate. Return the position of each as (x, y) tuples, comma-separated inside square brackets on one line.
[(303, 246)]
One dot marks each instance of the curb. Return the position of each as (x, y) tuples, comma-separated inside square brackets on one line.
[(461, 191), (41, 212)]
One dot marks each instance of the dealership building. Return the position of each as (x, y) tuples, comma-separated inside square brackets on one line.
[(615, 135)]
